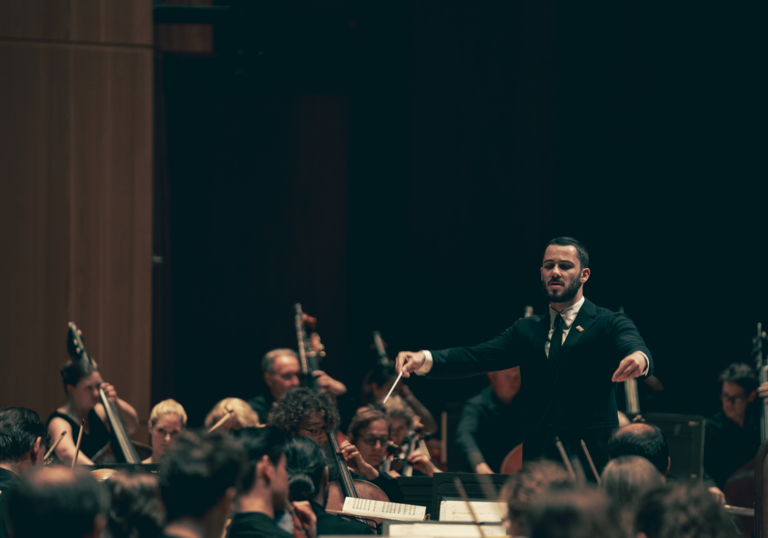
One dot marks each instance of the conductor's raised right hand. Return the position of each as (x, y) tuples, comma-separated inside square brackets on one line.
[(409, 361)]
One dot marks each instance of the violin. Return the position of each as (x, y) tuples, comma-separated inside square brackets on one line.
[(121, 444)]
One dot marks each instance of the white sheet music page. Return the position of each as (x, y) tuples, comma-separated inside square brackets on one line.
[(396, 511), (487, 512), (436, 530)]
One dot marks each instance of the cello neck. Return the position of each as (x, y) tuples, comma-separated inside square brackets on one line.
[(345, 476)]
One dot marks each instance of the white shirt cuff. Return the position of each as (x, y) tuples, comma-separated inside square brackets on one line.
[(427, 366), (647, 363)]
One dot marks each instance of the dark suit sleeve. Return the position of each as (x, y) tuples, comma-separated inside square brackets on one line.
[(498, 354), (627, 338)]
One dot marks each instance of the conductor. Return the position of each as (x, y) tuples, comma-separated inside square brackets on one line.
[(570, 360)]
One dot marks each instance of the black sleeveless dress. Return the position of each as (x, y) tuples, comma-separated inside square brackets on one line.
[(92, 442)]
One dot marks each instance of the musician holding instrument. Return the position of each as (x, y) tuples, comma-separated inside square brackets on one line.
[(569, 361), (491, 423), (166, 422), (82, 382), (281, 371), (308, 480)]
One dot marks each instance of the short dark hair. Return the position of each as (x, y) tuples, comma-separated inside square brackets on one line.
[(581, 250), (197, 471), (259, 442), (136, 508), (682, 509), (300, 403), (644, 440), (364, 417), (268, 360), (741, 374), (19, 429), (402, 413), (55, 501), (305, 463), (576, 513), (533, 479), (75, 370)]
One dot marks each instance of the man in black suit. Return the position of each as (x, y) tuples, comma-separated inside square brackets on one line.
[(569, 360)]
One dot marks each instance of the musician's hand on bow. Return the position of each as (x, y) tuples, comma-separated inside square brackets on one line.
[(421, 463), (356, 462), (109, 392), (718, 495), (631, 367), (306, 517), (409, 361), (762, 390), (329, 384)]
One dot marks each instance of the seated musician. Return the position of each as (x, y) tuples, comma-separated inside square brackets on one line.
[(369, 431), (491, 423), (23, 438), (732, 436), (198, 480), (81, 385), (135, 509), (379, 384), (312, 414), (166, 421), (241, 415), (308, 480), (263, 491), (534, 480), (281, 371)]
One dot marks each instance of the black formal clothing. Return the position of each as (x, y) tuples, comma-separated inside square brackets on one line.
[(331, 524), (255, 525), (8, 481), (574, 399), (93, 441), (489, 429), (728, 447), (262, 404)]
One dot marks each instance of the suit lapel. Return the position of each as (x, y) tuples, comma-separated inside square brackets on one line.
[(585, 319)]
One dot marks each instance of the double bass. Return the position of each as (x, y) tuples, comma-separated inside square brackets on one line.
[(310, 350), (121, 444)]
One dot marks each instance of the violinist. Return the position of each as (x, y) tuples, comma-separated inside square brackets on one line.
[(491, 423), (308, 480), (82, 381), (263, 491), (379, 384), (166, 421), (23, 438), (732, 436), (281, 371)]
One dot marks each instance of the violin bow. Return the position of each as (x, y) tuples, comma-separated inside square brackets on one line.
[(79, 440)]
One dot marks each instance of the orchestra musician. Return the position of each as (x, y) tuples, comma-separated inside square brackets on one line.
[(313, 414), (166, 421), (23, 438), (281, 371), (402, 398), (82, 381), (570, 360), (491, 423), (369, 431), (241, 415), (308, 480)]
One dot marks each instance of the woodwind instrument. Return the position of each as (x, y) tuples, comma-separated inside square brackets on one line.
[(122, 444)]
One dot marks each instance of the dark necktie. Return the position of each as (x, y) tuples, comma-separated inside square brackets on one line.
[(556, 342)]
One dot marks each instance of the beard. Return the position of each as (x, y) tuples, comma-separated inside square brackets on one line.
[(565, 295)]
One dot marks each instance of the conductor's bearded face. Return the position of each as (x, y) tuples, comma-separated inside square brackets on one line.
[(561, 273)]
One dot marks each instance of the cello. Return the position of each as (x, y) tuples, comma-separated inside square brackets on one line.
[(121, 444)]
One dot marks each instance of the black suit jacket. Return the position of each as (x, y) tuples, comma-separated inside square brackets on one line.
[(575, 401)]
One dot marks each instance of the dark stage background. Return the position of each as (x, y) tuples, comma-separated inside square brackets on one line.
[(401, 167)]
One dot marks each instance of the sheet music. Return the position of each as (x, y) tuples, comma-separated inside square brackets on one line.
[(380, 509), (487, 512), (436, 530)]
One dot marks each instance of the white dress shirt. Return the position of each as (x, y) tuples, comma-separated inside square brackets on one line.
[(568, 315)]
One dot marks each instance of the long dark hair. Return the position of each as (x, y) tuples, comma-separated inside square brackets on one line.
[(305, 463), (75, 370)]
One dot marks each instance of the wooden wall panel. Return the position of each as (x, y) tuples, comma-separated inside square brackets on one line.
[(75, 197)]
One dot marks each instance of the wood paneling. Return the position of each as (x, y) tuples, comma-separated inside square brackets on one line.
[(75, 196)]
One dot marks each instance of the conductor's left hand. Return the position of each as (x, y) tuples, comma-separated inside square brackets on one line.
[(630, 367)]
